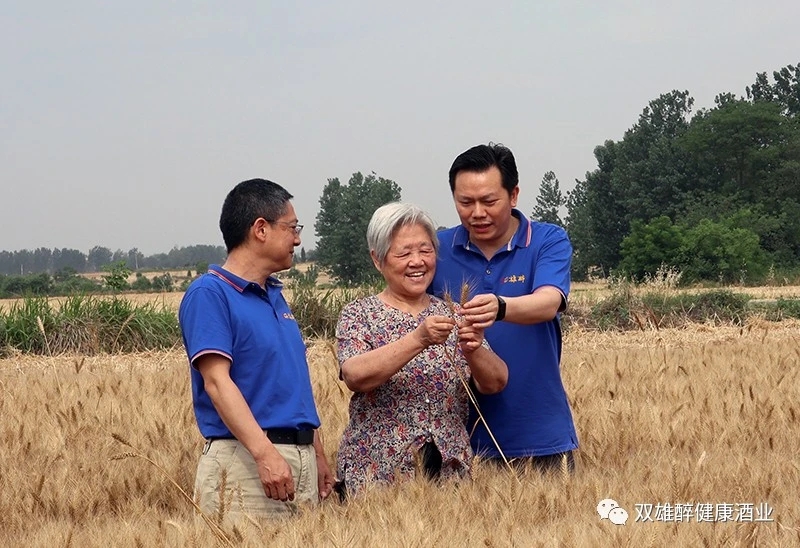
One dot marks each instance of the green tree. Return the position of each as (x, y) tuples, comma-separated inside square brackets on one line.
[(639, 178), (71, 258), (785, 90), (117, 277), (549, 201), (717, 251), (747, 157), (596, 215), (648, 246), (98, 257), (579, 229), (735, 148), (743, 154), (341, 225), (135, 258), (650, 174)]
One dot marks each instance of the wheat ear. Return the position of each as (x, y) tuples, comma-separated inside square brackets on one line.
[(216, 529), (451, 306)]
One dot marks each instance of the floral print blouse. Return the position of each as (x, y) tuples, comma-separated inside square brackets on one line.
[(423, 401)]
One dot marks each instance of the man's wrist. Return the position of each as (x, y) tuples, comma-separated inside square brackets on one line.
[(501, 309)]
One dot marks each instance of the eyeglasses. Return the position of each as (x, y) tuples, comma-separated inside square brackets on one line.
[(295, 227)]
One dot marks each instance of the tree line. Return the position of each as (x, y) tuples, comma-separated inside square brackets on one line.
[(714, 194), (99, 258)]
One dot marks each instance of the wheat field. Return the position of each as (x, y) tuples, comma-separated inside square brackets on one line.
[(96, 451)]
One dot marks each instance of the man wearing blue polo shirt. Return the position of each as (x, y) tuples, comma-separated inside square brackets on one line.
[(518, 274), (250, 383)]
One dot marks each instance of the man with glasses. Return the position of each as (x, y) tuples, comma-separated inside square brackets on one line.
[(250, 383)]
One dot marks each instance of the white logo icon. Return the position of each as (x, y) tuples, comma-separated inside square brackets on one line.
[(618, 516), (610, 510)]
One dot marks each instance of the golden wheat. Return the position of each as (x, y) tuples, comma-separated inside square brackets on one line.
[(698, 415)]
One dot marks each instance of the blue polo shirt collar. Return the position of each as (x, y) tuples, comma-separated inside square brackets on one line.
[(521, 238), (240, 284)]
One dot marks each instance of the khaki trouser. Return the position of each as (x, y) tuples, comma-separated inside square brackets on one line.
[(229, 462)]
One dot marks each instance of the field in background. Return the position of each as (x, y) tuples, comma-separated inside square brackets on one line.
[(177, 274), (592, 292), (582, 293), (698, 415)]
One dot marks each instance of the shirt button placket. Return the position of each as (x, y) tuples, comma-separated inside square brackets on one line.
[(429, 434)]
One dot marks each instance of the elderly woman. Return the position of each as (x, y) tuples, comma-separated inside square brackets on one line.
[(401, 354)]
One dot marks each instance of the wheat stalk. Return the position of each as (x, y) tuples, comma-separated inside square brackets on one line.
[(121, 329), (40, 323), (216, 529), (451, 306)]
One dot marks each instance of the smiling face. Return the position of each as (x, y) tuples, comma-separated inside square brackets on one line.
[(410, 264), (484, 207)]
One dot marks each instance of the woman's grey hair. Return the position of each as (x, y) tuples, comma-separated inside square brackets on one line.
[(388, 218)]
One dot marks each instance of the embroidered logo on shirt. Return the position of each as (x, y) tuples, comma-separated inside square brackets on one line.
[(514, 278)]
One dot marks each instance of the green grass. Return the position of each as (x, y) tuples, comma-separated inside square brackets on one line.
[(625, 309), (86, 325)]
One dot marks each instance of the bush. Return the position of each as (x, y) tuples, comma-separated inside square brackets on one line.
[(29, 284), (163, 282), (716, 251), (87, 325), (141, 283), (75, 285), (614, 312), (649, 247), (677, 309), (721, 304), (317, 311), (783, 309), (626, 308)]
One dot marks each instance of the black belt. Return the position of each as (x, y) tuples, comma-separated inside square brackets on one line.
[(290, 436), (282, 436)]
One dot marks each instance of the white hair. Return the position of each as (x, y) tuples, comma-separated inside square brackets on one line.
[(388, 218)]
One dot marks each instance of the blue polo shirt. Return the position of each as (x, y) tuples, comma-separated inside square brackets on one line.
[(531, 416), (227, 315)]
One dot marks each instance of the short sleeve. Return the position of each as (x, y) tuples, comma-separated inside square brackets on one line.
[(553, 261), (205, 324), (352, 332)]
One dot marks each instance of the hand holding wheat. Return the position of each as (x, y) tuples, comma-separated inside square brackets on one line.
[(458, 313), (470, 337), (481, 310), (435, 330)]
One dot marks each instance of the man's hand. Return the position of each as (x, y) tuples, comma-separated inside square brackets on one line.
[(273, 470), (276, 476), (435, 329), (481, 310), (324, 477)]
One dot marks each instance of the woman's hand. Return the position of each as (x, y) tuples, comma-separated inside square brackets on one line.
[(470, 337), (434, 330)]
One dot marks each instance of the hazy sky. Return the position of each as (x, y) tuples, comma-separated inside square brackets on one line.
[(125, 126)]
